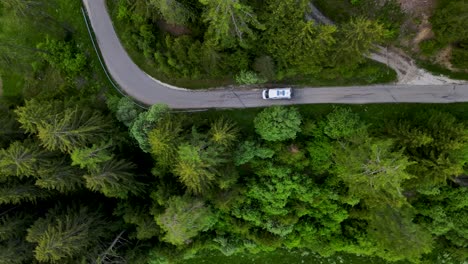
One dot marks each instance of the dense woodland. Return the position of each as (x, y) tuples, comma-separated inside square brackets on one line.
[(86, 176), (252, 41)]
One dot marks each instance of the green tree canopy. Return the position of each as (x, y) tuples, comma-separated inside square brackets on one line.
[(64, 235), (449, 23), (75, 128), (114, 178), (184, 218), (373, 171), (91, 157), (230, 20), (173, 11), (278, 123), (145, 122)]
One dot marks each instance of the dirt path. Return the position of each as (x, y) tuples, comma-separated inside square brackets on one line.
[(405, 67)]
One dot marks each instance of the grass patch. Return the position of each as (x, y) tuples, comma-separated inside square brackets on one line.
[(12, 85), (437, 69)]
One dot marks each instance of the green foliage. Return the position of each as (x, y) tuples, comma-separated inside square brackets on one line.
[(35, 112), (448, 22), (278, 123), (398, 236), (59, 175), (430, 47), (445, 215), (372, 182), (249, 77), (90, 158), (223, 132), (436, 141), (229, 21), (65, 235), (320, 150), (146, 227), (373, 172), (10, 127), (127, 111), (298, 47), (249, 150), (13, 249), (173, 11), (184, 218), (163, 140), (145, 122), (460, 57), (358, 37), (21, 159), (74, 128), (265, 66), (15, 192), (196, 167), (114, 178), (342, 123), (63, 56)]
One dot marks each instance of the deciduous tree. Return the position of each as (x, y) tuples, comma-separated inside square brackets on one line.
[(278, 123)]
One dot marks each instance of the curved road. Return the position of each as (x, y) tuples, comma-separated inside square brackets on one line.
[(145, 89)]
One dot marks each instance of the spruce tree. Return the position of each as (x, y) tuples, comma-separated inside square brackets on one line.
[(75, 128), (22, 159), (63, 235), (114, 178), (15, 191)]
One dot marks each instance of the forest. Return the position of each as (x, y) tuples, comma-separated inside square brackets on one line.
[(87, 176)]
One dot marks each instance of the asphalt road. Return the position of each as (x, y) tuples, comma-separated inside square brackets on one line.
[(147, 90)]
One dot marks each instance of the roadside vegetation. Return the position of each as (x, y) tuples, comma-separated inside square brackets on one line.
[(432, 32), (86, 176), (194, 44)]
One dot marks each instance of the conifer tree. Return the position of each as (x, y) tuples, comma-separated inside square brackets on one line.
[(61, 236), (230, 20), (91, 157), (10, 127), (373, 172), (145, 122), (59, 175), (163, 140), (184, 218), (35, 112), (75, 128), (114, 178), (15, 191), (173, 11), (223, 132), (13, 248), (22, 159)]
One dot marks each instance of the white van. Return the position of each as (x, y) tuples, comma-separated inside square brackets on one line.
[(277, 93)]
